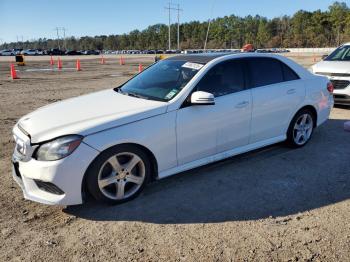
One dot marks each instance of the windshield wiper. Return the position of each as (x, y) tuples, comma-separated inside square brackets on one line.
[(137, 95), (131, 94), (140, 96)]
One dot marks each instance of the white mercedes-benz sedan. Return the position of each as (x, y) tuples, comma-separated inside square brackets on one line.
[(180, 113)]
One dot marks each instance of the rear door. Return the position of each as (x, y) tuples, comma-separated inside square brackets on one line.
[(276, 91)]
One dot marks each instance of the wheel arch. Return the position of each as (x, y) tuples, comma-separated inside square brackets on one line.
[(154, 165), (312, 109)]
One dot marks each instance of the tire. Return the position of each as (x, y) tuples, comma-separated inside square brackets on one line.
[(118, 174), (301, 128)]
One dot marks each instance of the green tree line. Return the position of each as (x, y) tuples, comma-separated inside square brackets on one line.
[(303, 29)]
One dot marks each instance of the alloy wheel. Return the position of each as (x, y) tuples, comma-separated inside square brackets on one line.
[(303, 129), (121, 176)]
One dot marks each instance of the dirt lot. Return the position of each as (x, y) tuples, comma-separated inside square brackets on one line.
[(271, 204)]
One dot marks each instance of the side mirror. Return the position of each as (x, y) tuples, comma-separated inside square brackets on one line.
[(324, 57), (202, 98)]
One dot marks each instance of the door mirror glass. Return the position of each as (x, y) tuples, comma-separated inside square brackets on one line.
[(202, 98)]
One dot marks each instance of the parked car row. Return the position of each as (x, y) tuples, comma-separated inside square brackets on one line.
[(272, 50), (148, 51), (35, 52), (11, 52)]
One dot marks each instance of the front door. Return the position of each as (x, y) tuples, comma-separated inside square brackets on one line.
[(205, 130)]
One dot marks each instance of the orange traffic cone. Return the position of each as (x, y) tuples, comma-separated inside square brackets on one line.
[(13, 72), (103, 60), (51, 61), (140, 68), (59, 64), (78, 65), (121, 61)]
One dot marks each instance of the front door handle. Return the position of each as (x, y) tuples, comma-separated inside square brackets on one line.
[(242, 104), (291, 91)]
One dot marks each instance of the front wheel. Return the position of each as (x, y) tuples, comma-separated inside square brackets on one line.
[(301, 128), (119, 174)]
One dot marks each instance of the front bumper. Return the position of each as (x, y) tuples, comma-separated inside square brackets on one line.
[(341, 92), (340, 99), (66, 174)]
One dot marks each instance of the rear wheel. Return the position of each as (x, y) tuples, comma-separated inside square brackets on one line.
[(119, 174), (301, 128)]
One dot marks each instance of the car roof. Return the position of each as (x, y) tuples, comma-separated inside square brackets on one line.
[(197, 58), (206, 58)]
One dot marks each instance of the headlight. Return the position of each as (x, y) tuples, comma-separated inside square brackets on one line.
[(58, 148)]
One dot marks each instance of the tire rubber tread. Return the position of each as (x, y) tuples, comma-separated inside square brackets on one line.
[(290, 140), (94, 168)]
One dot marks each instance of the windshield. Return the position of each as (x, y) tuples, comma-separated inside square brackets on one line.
[(340, 54), (162, 81)]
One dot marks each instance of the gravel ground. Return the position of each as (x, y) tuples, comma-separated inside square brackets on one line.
[(273, 204)]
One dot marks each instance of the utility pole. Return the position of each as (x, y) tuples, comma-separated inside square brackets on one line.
[(58, 37), (169, 8), (206, 37), (64, 37), (209, 21), (169, 36), (57, 29), (178, 26), (19, 43)]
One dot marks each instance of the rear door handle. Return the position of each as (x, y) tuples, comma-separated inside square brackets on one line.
[(291, 91), (242, 104)]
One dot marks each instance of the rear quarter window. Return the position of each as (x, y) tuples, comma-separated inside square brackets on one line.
[(265, 71), (288, 73), (268, 71)]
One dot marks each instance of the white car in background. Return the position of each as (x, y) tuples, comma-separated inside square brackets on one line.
[(336, 67), (30, 52), (180, 113), (7, 52)]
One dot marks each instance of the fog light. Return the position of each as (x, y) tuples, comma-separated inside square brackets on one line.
[(48, 187)]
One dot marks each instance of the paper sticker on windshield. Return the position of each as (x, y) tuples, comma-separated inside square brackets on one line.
[(171, 94), (194, 66)]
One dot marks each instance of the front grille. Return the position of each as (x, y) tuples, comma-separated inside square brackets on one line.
[(340, 84), (48, 187), (16, 167), (336, 96)]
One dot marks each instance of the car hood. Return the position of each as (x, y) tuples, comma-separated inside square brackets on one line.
[(87, 114), (342, 67)]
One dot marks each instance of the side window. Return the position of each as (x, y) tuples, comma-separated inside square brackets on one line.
[(288, 73), (224, 78), (265, 71)]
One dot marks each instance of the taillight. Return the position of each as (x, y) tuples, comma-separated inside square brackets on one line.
[(330, 87)]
